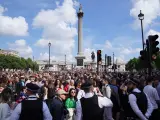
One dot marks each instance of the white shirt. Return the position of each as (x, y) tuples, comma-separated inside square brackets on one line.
[(134, 106), (5, 111), (102, 102), (152, 95), (17, 111), (28, 81), (80, 94), (107, 91)]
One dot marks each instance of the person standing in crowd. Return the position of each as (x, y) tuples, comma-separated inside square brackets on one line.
[(10, 85), (90, 107), (80, 92), (22, 95), (20, 85), (71, 103), (58, 85), (154, 98), (1, 89), (51, 93), (5, 98), (140, 106), (58, 109), (71, 85), (32, 108), (115, 99), (96, 88), (157, 84), (106, 90), (45, 90)]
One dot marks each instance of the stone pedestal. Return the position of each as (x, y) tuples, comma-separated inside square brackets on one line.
[(93, 66), (80, 61)]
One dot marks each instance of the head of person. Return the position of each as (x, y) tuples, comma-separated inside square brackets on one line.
[(106, 80), (113, 81), (22, 78), (94, 83), (150, 80), (57, 82), (32, 89), (88, 86), (156, 80), (5, 96), (62, 94), (72, 93), (79, 84), (132, 84), (10, 83), (72, 82), (23, 89)]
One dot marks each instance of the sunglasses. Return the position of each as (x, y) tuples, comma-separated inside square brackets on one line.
[(73, 92)]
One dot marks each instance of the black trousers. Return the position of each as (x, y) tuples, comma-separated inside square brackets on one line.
[(155, 115)]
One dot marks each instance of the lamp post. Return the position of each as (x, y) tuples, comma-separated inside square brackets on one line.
[(49, 45), (141, 18)]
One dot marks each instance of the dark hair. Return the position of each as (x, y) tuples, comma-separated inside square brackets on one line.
[(56, 83), (149, 79), (5, 95), (70, 93)]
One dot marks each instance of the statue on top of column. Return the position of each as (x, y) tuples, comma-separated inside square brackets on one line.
[(80, 8), (93, 56)]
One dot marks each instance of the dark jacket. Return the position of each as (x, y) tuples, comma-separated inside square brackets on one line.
[(58, 109)]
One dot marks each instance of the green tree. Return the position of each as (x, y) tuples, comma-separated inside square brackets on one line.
[(132, 64), (29, 63), (23, 63), (157, 62), (12, 62)]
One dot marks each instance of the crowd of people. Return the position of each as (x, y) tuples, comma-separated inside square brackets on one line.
[(79, 95)]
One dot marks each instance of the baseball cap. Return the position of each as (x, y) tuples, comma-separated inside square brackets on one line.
[(61, 92)]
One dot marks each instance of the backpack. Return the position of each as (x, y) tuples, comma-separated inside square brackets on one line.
[(51, 92), (41, 92), (115, 98), (142, 101), (49, 104)]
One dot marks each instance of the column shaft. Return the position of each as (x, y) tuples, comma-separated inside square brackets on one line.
[(80, 36)]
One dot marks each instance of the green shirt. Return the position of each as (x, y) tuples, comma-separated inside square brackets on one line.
[(70, 103)]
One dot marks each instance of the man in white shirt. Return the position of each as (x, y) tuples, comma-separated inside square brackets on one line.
[(141, 107), (32, 108), (154, 98), (90, 107), (106, 90)]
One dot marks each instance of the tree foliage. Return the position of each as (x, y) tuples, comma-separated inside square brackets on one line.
[(12, 62), (138, 64)]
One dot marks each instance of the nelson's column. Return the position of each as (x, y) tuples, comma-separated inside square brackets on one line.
[(80, 56)]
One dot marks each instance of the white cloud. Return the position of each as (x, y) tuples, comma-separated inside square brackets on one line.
[(45, 56), (150, 9), (108, 44), (2, 10), (153, 32), (16, 26), (127, 51), (58, 28), (21, 47), (124, 49)]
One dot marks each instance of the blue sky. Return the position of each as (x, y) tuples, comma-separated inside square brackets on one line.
[(110, 25)]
